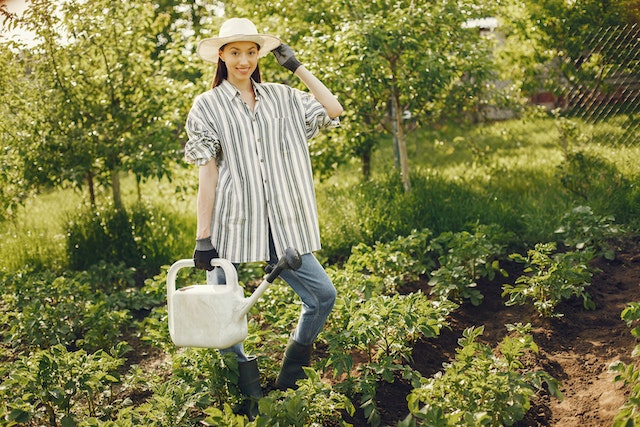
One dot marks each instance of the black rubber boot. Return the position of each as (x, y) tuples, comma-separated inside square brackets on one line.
[(295, 357), (249, 385)]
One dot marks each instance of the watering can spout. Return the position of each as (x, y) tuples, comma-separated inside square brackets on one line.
[(289, 261)]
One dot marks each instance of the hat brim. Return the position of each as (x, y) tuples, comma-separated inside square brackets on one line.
[(208, 48)]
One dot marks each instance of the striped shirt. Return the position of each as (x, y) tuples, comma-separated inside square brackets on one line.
[(265, 177)]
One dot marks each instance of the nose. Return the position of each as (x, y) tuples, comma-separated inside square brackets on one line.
[(244, 59)]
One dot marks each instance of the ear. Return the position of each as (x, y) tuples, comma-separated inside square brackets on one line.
[(220, 55)]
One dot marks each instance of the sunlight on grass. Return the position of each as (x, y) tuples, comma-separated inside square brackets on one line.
[(37, 239), (508, 170)]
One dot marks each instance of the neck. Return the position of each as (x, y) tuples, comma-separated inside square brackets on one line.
[(242, 85)]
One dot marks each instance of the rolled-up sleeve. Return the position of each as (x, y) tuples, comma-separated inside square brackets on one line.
[(316, 116), (203, 143)]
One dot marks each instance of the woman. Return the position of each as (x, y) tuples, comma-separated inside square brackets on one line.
[(255, 194)]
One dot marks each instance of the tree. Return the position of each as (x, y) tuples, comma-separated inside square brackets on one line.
[(387, 60), (15, 97), (109, 106), (545, 45), (409, 59)]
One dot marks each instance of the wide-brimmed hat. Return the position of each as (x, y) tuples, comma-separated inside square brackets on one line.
[(237, 30)]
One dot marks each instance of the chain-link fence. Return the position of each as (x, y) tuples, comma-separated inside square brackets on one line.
[(606, 83)]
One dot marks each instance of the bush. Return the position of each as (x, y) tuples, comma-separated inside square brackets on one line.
[(550, 278), (480, 388), (597, 182), (380, 210), (58, 387), (144, 238), (88, 310)]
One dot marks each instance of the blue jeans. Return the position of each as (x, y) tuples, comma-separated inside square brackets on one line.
[(317, 293)]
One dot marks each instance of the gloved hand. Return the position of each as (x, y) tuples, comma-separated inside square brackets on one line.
[(204, 253), (285, 56)]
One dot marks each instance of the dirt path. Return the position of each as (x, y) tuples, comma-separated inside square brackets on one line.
[(576, 349)]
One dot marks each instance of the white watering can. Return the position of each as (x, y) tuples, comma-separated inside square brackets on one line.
[(212, 315)]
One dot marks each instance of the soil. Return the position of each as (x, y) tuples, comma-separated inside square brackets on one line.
[(576, 349)]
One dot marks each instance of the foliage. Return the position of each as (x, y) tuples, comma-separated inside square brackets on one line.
[(88, 310), (144, 238), (383, 44), (58, 387), (383, 328), (583, 230), (401, 260), (597, 182), (479, 387), (629, 413), (379, 211), (545, 40), (15, 96), (464, 258), (110, 106), (314, 403), (550, 278)]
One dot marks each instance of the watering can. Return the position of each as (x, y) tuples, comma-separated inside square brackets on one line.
[(212, 315)]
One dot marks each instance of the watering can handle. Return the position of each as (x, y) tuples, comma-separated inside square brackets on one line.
[(229, 271)]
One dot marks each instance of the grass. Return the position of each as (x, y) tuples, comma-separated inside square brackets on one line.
[(504, 173)]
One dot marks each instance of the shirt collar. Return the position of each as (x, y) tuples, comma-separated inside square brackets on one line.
[(231, 91)]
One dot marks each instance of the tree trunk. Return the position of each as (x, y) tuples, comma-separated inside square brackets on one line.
[(115, 188), (402, 143), (366, 165), (92, 190)]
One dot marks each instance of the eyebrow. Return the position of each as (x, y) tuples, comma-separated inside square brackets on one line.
[(236, 48)]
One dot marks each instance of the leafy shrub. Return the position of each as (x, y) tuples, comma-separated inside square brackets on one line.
[(480, 388), (597, 182), (464, 258), (629, 412), (104, 234), (199, 378), (314, 403), (77, 310), (57, 387), (401, 260), (380, 210), (145, 238), (550, 278), (582, 229), (383, 328)]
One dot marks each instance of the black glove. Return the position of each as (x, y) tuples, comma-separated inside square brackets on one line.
[(204, 253), (285, 56)]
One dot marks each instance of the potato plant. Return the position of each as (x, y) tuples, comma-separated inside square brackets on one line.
[(550, 278), (629, 374), (464, 258), (480, 388), (58, 387)]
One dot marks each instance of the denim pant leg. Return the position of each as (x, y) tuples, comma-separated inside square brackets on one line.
[(238, 349), (318, 295)]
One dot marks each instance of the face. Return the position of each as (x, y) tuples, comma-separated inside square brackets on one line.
[(241, 59)]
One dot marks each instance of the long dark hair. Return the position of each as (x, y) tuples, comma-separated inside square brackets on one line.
[(222, 73)]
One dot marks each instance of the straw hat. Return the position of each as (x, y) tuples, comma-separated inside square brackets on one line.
[(237, 30)]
